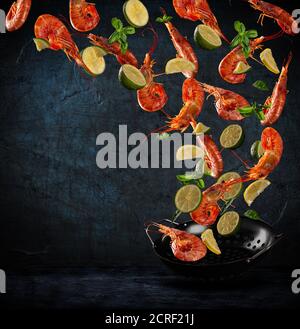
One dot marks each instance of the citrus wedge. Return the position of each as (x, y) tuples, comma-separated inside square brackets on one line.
[(93, 58), (241, 68), (131, 77), (209, 240), (135, 13), (254, 190), (206, 38), (178, 65), (268, 60), (41, 44), (201, 129), (189, 152)]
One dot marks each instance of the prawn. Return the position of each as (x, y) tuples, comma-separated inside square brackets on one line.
[(17, 15), (182, 46), (114, 49), (193, 98), (198, 10), (285, 20), (185, 246), (209, 210), (230, 61), (212, 156), (275, 103), (153, 96), (50, 28), (83, 15), (227, 102)]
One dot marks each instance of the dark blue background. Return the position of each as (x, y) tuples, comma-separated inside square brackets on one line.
[(57, 207)]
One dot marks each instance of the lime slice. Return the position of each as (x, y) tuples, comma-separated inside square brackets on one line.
[(268, 60), (232, 136), (135, 13), (131, 77), (241, 68), (235, 189), (228, 223), (201, 129), (41, 44), (188, 198), (206, 38), (254, 190), (209, 240), (189, 152), (257, 150), (178, 65), (93, 58)]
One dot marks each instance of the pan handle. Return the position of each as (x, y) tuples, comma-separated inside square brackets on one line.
[(277, 238), (159, 221)]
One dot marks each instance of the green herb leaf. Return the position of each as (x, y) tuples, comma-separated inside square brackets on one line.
[(251, 34), (200, 183), (252, 214), (261, 85), (120, 34), (117, 23), (237, 26), (246, 111), (163, 19), (235, 41), (129, 30), (114, 37)]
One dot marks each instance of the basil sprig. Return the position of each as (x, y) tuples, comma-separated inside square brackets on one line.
[(120, 34), (185, 180), (243, 38), (254, 109), (164, 19), (261, 85), (252, 214)]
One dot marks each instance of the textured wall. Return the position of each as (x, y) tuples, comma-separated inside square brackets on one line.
[(57, 207)]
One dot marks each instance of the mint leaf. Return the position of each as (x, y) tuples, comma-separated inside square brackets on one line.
[(252, 214), (261, 85)]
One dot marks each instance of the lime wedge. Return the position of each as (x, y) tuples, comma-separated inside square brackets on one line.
[(189, 152), (206, 38), (254, 190), (188, 198), (241, 68), (228, 223), (41, 44), (209, 240), (235, 189), (178, 65), (201, 129), (257, 150), (93, 58), (207, 170), (232, 136), (131, 77), (268, 60), (135, 13)]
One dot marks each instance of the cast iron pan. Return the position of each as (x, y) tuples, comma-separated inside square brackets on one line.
[(239, 251)]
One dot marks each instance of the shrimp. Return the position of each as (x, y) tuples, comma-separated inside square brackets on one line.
[(275, 103), (213, 157), (84, 16), (193, 98), (182, 46), (230, 61), (285, 20), (198, 10), (17, 14), (50, 28), (209, 210), (153, 96), (185, 246), (114, 49), (227, 102)]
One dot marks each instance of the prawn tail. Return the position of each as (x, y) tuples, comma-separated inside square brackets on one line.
[(288, 61), (273, 36)]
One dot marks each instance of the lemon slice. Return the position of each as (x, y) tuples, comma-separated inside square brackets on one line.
[(254, 190), (41, 44), (268, 60), (241, 68), (135, 13), (235, 189), (201, 129), (92, 57), (178, 65), (232, 136), (228, 223), (206, 38), (188, 198), (189, 152), (209, 240), (131, 77)]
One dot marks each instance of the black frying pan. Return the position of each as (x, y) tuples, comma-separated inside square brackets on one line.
[(239, 251)]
